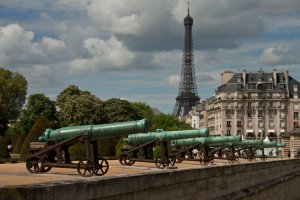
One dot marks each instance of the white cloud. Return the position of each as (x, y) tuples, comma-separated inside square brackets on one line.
[(281, 55), (19, 48), (104, 55)]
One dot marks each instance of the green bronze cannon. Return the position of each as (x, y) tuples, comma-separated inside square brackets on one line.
[(165, 135), (53, 148), (96, 131), (139, 147), (218, 140)]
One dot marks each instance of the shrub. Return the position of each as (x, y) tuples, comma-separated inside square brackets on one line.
[(77, 151), (4, 141), (37, 129)]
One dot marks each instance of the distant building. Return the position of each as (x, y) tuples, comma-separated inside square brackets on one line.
[(254, 105)]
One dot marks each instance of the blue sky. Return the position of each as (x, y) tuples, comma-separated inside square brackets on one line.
[(132, 49)]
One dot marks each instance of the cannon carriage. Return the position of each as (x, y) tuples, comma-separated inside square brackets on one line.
[(230, 148), (209, 148), (53, 148)]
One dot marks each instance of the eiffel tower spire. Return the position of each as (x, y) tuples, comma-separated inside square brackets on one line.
[(187, 93)]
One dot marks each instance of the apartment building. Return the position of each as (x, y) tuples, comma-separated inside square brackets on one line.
[(255, 105)]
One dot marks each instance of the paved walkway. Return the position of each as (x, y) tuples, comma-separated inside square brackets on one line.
[(16, 173)]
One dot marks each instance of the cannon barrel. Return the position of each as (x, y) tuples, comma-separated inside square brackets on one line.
[(165, 135), (267, 144), (280, 145), (96, 131), (241, 143), (208, 140)]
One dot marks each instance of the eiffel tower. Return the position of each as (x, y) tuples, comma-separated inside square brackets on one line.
[(187, 93)]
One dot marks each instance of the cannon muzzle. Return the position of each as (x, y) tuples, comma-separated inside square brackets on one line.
[(96, 131), (165, 135)]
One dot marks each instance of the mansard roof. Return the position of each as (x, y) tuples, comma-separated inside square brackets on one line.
[(260, 77)]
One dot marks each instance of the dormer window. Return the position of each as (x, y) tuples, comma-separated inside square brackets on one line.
[(295, 88), (281, 79), (238, 79)]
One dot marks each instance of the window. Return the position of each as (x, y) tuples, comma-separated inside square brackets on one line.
[(295, 95), (228, 133), (228, 123), (239, 96), (249, 79), (281, 79), (260, 124), (249, 105), (296, 115), (228, 106), (296, 124), (270, 95), (260, 95), (295, 88), (249, 113), (282, 106), (239, 105), (271, 124), (260, 114), (270, 104), (282, 124), (239, 132), (260, 104), (282, 115), (239, 114), (228, 114), (238, 79), (271, 114), (250, 125), (239, 123), (296, 106)]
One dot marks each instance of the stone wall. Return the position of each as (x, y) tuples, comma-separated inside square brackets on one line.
[(258, 180)]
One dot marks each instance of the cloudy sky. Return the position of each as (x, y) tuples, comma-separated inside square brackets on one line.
[(132, 49)]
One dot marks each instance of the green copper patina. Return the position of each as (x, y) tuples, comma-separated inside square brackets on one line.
[(96, 131), (208, 140), (165, 135)]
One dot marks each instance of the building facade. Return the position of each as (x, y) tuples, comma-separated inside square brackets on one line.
[(255, 105)]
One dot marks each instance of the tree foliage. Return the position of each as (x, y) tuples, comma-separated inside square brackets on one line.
[(168, 123), (120, 110), (13, 90), (33, 136), (78, 107), (143, 110), (38, 106)]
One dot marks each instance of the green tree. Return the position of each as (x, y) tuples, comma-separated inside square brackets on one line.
[(38, 106), (33, 136), (13, 90), (78, 107), (144, 110), (120, 110), (168, 123)]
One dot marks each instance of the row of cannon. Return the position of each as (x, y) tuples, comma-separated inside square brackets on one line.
[(52, 150)]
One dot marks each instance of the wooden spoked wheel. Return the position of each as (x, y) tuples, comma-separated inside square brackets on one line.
[(101, 167), (86, 167), (160, 163), (33, 165)]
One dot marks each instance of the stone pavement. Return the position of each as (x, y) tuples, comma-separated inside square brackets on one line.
[(16, 173)]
